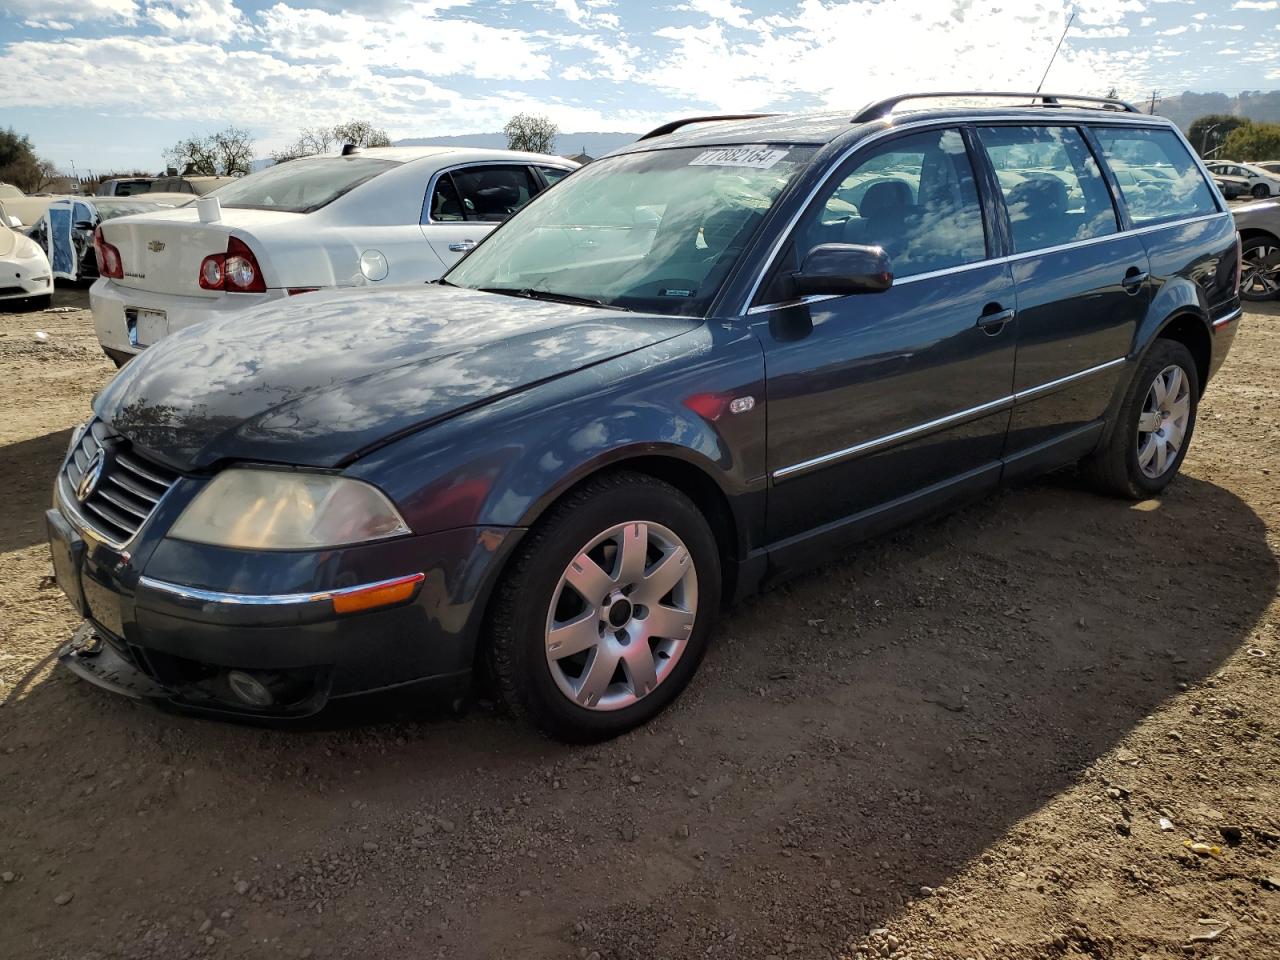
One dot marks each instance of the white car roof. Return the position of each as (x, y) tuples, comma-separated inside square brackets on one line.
[(453, 155)]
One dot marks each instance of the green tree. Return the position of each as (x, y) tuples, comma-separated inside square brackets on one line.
[(228, 152), (1252, 142), (531, 133), (1208, 133), (19, 164), (360, 133)]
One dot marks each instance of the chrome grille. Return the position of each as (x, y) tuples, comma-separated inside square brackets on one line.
[(127, 490)]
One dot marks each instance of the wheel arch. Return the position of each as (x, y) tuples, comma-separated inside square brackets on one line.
[(1189, 328)]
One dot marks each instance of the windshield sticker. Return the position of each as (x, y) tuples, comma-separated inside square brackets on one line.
[(761, 158), (673, 292)]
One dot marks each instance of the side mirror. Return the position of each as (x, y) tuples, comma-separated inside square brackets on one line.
[(83, 225), (844, 268)]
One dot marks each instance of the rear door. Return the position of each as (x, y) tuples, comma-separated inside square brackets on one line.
[(1082, 289), (464, 203), (882, 405)]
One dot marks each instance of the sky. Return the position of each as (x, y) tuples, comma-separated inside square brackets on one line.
[(108, 84)]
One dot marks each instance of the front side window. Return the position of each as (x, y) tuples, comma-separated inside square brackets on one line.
[(656, 231), (299, 186), (1053, 189), (1180, 192), (914, 196), (553, 175)]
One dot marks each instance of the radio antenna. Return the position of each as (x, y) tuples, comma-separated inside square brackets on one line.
[(1056, 49)]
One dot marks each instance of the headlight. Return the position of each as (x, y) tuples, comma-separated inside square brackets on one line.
[(280, 510)]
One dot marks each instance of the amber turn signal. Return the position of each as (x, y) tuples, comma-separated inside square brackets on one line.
[(375, 595)]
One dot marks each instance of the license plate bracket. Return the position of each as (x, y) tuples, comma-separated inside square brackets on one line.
[(67, 550), (145, 327)]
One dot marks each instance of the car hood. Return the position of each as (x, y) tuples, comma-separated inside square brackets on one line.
[(320, 379)]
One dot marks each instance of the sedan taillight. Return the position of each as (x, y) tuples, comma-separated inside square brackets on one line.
[(108, 257), (236, 271)]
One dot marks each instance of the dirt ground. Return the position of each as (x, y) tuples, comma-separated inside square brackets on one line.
[(959, 743)]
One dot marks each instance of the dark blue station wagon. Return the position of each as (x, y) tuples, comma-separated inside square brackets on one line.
[(703, 362)]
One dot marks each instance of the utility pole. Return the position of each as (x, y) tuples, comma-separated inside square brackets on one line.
[(1155, 94)]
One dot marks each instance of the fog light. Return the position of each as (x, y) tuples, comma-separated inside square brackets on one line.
[(249, 689)]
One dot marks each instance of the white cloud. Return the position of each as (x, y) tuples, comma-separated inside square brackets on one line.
[(48, 24), (74, 11), (412, 40), (1200, 16), (1173, 31), (1256, 5), (726, 10), (217, 20)]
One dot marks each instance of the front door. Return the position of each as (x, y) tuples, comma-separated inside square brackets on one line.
[(884, 405)]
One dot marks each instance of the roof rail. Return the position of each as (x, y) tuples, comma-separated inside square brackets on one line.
[(675, 125), (878, 109)]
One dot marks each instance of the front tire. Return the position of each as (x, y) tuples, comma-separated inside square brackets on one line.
[(1153, 428), (604, 615), (1260, 191)]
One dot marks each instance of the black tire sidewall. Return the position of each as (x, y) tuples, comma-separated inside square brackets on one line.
[(1163, 353), (1261, 191), (535, 582), (1248, 245)]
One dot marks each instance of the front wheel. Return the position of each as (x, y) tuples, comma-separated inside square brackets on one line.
[(1260, 274), (1153, 428), (605, 613), (1260, 191)]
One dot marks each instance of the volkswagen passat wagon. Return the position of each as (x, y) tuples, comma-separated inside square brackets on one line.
[(705, 361)]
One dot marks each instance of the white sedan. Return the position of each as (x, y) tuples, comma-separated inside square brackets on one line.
[(25, 274), (1262, 183), (373, 217)]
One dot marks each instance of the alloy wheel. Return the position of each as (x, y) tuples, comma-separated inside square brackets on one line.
[(1260, 279), (1162, 425), (621, 615)]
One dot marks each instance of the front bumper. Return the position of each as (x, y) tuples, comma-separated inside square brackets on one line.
[(20, 279), (151, 635)]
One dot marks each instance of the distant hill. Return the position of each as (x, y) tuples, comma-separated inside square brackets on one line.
[(592, 144), (1253, 105)]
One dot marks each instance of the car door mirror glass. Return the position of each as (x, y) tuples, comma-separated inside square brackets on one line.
[(844, 268)]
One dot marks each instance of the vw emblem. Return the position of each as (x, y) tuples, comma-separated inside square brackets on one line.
[(89, 479)]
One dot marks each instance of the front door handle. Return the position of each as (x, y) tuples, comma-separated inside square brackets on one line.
[(461, 246), (1133, 280), (993, 319)]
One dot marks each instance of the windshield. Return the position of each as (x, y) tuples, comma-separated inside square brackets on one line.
[(656, 232), (300, 186)]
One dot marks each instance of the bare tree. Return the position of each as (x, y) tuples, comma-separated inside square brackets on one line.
[(228, 152), (311, 142), (361, 133), (531, 133)]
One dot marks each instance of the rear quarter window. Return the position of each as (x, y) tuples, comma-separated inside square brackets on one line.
[(1166, 185)]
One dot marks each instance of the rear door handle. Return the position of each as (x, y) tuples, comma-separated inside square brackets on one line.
[(461, 246), (993, 322), (1133, 280)]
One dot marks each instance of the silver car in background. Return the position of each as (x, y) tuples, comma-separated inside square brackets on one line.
[(1259, 226)]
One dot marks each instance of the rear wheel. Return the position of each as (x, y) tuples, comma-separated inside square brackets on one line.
[(605, 613), (1153, 430), (1260, 276)]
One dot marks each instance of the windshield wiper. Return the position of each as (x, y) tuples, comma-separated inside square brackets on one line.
[(531, 294)]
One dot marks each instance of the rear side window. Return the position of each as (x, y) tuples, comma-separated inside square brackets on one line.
[(493, 193), (300, 186), (1164, 182), (914, 196), (1052, 187)]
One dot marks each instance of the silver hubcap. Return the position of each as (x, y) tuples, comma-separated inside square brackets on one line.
[(1162, 425), (1261, 276), (621, 615)]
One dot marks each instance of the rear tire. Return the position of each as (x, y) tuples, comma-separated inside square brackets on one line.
[(624, 655), (1153, 428), (1259, 279)]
